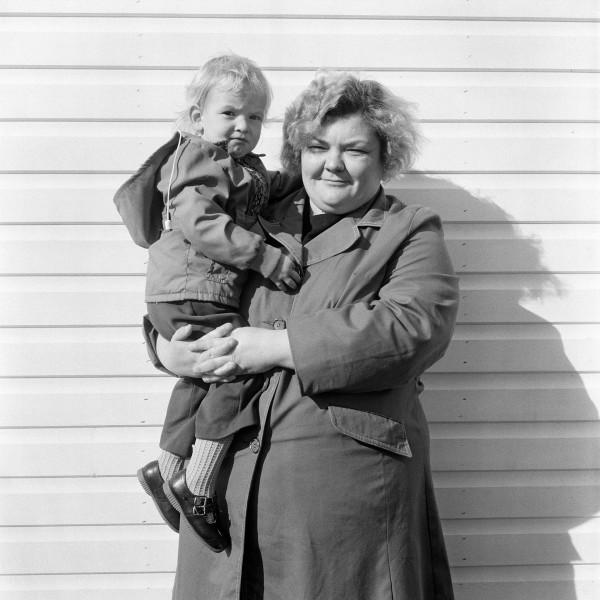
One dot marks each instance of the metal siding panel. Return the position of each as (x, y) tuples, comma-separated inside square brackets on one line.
[(130, 43), (91, 586), (150, 95), (116, 549), (489, 9)]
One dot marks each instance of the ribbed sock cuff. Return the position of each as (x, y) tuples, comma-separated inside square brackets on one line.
[(203, 468), (169, 464)]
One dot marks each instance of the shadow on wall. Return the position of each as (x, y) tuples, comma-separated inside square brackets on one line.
[(511, 419)]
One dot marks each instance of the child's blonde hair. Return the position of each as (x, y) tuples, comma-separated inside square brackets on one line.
[(232, 73)]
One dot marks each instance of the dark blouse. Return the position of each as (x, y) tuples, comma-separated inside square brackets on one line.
[(313, 225)]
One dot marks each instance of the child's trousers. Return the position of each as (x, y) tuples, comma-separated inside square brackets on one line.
[(192, 413)]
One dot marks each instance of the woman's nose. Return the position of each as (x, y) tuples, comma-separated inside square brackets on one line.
[(333, 161)]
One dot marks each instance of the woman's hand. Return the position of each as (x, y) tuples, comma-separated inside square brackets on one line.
[(223, 354), (184, 357), (257, 350)]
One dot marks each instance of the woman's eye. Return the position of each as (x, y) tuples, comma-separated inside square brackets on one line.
[(357, 151), (256, 117), (228, 113), (315, 148)]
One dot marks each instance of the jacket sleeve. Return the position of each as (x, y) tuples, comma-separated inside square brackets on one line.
[(199, 197), (377, 345)]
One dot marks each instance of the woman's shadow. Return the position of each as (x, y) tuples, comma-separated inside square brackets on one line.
[(505, 455)]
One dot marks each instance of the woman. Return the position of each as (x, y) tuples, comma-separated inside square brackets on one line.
[(331, 497)]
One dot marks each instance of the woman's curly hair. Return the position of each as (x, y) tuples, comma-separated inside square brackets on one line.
[(337, 94)]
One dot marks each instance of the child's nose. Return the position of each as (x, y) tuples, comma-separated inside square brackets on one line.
[(241, 123)]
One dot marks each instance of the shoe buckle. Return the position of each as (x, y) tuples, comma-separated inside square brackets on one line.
[(201, 506)]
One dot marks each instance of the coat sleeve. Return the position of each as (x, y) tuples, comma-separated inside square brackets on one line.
[(199, 197), (377, 345)]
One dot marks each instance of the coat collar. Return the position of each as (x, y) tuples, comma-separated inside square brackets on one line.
[(344, 234), (285, 224)]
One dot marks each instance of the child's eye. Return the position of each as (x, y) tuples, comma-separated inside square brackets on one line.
[(228, 113), (256, 117)]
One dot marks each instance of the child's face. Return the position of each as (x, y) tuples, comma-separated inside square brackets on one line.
[(237, 118)]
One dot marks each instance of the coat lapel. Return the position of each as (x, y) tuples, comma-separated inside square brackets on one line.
[(338, 238), (344, 234)]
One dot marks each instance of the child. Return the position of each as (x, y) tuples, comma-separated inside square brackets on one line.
[(210, 189)]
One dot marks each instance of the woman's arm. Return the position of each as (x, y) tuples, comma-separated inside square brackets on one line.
[(259, 350), (256, 350), (220, 355), (381, 344)]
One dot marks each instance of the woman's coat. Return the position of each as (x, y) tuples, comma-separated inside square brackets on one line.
[(331, 498)]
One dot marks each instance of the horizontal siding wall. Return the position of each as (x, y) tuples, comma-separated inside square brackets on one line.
[(508, 93)]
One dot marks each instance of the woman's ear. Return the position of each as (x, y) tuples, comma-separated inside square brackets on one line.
[(196, 119)]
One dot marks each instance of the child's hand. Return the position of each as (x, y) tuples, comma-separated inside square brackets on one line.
[(286, 275)]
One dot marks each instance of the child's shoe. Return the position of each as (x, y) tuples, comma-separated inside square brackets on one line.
[(200, 512), (152, 482)]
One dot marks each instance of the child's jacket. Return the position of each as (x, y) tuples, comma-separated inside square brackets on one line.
[(213, 206)]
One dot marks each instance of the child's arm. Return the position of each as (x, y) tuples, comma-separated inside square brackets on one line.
[(287, 274), (199, 196)]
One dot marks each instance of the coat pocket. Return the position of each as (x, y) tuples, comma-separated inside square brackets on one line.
[(371, 428)]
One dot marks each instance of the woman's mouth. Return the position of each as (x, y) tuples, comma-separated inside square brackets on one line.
[(335, 181)]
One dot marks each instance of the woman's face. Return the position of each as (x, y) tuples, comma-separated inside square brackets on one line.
[(341, 165)]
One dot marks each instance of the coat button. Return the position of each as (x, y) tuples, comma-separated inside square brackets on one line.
[(278, 324), (255, 446)]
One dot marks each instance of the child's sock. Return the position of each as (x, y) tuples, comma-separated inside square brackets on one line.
[(203, 468), (169, 464)]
